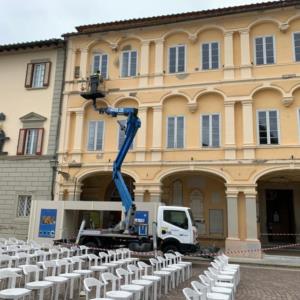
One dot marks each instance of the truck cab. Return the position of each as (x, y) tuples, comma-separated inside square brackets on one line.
[(176, 230)]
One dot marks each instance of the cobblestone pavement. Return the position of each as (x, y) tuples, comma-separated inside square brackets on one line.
[(257, 283)]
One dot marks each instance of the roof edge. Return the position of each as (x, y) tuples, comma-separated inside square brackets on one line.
[(180, 17)]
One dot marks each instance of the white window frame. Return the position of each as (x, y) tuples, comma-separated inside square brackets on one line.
[(40, 80), (129, 64), (268, 127), (264, 49), (100, 63), (294, 46), (95, 136), (210, 130), (175, 131), (32, 151), (210, 61), (176, 62), (23, 215)]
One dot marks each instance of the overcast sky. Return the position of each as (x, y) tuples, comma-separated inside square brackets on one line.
[(29, 20)]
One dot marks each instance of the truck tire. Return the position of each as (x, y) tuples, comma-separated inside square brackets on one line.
[(143, 247), (171, 248)]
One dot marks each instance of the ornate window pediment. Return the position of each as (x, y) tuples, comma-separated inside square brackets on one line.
[(32, 117)]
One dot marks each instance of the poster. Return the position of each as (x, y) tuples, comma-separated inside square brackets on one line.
[(47, 223)]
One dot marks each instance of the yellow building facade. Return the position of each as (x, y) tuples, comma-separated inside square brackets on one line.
[(218, 95)]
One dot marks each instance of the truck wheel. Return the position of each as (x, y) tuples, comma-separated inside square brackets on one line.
[(170, 248)]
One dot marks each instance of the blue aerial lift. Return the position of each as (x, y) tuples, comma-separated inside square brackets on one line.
[(131, 128), (170, 235)]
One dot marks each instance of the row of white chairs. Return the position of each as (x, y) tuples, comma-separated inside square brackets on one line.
[(218, 282), (57, 265), (139, 280)]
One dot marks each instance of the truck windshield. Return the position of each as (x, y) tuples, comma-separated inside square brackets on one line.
[(191, 216)]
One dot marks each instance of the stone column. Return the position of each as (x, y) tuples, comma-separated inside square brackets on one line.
[(76, 151), (251, 222), (141, 135), (144, 61), (83, 62), (159, 62), (248, 137), (230, 147), (232, 216), (157, 133), (228, 56), (155, 193), (139, 193), (246, 65)]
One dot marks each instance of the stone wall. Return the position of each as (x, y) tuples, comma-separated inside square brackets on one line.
[(21, 176)]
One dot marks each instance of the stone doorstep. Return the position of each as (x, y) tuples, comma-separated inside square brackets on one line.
[(267, 260)]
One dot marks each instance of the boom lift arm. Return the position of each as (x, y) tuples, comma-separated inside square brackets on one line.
[(132, 126)]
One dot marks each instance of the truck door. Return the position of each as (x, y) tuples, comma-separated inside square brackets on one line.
[(176, 223)]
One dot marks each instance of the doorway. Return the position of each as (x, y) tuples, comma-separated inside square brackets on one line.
[(280, 215)]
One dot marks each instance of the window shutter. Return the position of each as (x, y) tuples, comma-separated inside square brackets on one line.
[(96, 64), (180, 132), (172, 60), (28, 78), (21, 141), (39, 146), (91, 136), (133, 63), (171, 132), (47, 74), (104, 66), (205, 131), (99, 142), (259, 51), (215, 131), (270, 50), (125, 64), (215, 55), (181, 58)]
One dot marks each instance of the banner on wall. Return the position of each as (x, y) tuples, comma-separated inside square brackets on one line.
[(47, 223)]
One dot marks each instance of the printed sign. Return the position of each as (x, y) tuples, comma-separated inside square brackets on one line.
[(47, 223), (141, 217)]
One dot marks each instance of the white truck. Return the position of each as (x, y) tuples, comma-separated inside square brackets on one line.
[(174, 230)]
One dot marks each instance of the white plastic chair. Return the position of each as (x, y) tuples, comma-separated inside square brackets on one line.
[(36, 284), (222, 271), (111, 265), (216, 289), (58, 281), (222, 278), (128, 285), (22, 258), (202, 292), (147, 284), (190, 294), (167, 276), (94, 264), (114, 293), (7, 261), (177, 261), (12, 292), (54, 253), (64, 270), (176, 272), (223, 261), (156, 279), (89, 284), (215, 281)]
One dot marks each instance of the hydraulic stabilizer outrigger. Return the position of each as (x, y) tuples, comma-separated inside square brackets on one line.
[(132, 126)]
